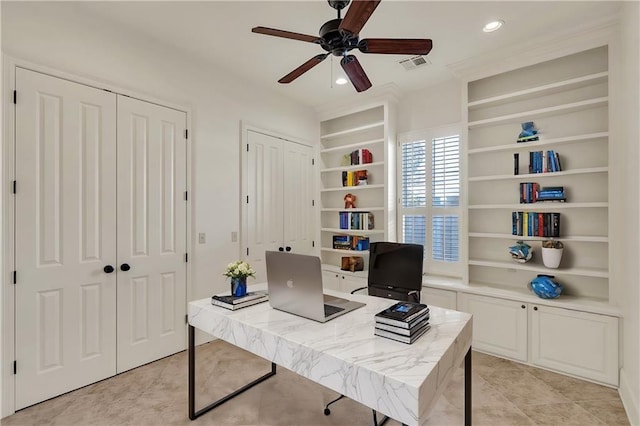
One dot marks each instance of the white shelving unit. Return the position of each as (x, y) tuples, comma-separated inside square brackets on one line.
[(567, 99), (370, 127)]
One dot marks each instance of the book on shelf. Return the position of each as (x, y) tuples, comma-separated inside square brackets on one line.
[(516, 164), (417, 324), (360, 156), (402, 314), (350, 242), (356, 220), (233, 303), (402, 338), (535, 224), (354, 178), (544, 162)]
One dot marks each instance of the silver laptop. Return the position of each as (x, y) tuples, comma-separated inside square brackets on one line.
[(295, 286)]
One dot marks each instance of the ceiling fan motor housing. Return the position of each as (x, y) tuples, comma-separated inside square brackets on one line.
[(336, 41), (338, 4)]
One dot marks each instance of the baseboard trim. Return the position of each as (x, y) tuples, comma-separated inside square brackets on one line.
[(629, 400)]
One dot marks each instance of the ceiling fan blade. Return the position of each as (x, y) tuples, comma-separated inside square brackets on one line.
[(285, 34), (357, 15), (356, 74), (396, 46), (303, 68)]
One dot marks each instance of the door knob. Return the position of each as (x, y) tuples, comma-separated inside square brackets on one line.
[(108, 269), (280, 249), (288, 248), (125, 267)]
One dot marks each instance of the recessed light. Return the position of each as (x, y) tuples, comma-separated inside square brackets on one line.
[(493, 26), (341, 81)]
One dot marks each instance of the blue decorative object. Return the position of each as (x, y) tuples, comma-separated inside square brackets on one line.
[(521, 252), (239, 287), (545, 287), (529, 132)]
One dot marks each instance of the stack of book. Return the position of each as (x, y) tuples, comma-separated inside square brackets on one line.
[(356, 220), (535, 224), (350, 242), (544, 162), (404, 322), (551, 193), (354, 178), (233, 303)]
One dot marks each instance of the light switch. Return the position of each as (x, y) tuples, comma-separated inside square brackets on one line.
[(202, 238)]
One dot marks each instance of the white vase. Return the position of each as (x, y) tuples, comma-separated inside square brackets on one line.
[(551, 257)]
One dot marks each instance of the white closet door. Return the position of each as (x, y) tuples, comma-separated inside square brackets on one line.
[(264, 185), (298, 210), (65, 235), (151, 232)]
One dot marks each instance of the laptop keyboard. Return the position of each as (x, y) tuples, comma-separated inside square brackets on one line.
[(330, 310)]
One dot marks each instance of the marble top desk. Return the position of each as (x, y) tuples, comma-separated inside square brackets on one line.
[(399, 380)]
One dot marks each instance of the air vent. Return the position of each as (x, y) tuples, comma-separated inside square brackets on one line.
[(415, 62)]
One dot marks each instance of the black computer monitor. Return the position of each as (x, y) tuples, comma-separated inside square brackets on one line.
[(395, 266)]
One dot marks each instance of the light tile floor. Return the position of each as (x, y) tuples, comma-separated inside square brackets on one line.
[(504, 393)]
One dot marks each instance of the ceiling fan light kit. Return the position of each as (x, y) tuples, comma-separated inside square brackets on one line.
[(339, 36)]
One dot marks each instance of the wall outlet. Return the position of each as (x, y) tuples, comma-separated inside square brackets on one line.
[(234, 237), (202, 238)]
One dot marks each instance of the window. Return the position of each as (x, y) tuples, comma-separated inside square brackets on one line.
[(430, 197)]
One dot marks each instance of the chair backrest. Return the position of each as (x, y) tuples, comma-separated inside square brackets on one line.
[(395, 270)]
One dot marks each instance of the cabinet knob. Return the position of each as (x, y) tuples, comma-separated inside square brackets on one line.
[(287, 248), (108, 269), (280, 248), (535, 308), (125, 267), (522, 306)]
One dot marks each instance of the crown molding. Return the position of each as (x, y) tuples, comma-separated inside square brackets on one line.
[(544, 48), (386, 93)]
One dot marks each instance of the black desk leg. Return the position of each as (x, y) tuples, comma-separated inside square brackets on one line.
[(467, 388), (193, 414)]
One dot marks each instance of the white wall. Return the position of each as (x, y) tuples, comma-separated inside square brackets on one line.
[(629, 132), (431, 107), (59, 36)]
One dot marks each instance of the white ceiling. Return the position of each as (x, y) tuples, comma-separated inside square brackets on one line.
[(219, 33)]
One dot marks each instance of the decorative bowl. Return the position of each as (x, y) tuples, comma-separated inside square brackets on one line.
[(521, 252), (545, 287)]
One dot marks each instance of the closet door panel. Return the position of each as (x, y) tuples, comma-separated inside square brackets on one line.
[(64, 236), (151, 232), (298, 208)]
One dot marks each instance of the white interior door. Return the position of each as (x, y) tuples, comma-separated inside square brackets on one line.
[(298, 197), (64, 236), (265, 194), (151, 232)]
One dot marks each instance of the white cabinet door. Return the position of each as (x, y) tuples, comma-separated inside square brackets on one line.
[(437, 297), (264, 174), (298, 208), (348, 283), (151, 232), (279, 208), (499, 326), (330, 280), (65, 234), (574, 342)]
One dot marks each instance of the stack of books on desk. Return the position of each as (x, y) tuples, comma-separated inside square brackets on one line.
[(404, 322), (233, 303)]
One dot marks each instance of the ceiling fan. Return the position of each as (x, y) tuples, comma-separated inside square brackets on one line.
[(339, 36)]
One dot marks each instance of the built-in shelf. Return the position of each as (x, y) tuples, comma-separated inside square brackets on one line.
[(583, 272), (337, 270), (352, 130), (353, 188), (541, 175), (546, 205), (353, 231), (542, 112), (350, 147), (359, 209), (347, 252), (547, 89), (354, 167), (572, 238), (542, 142)]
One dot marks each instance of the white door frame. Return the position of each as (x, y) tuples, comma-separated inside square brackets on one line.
[(244, 213), (7, 323)]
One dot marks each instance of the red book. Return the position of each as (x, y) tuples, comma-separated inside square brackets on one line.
[(540, 224)]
